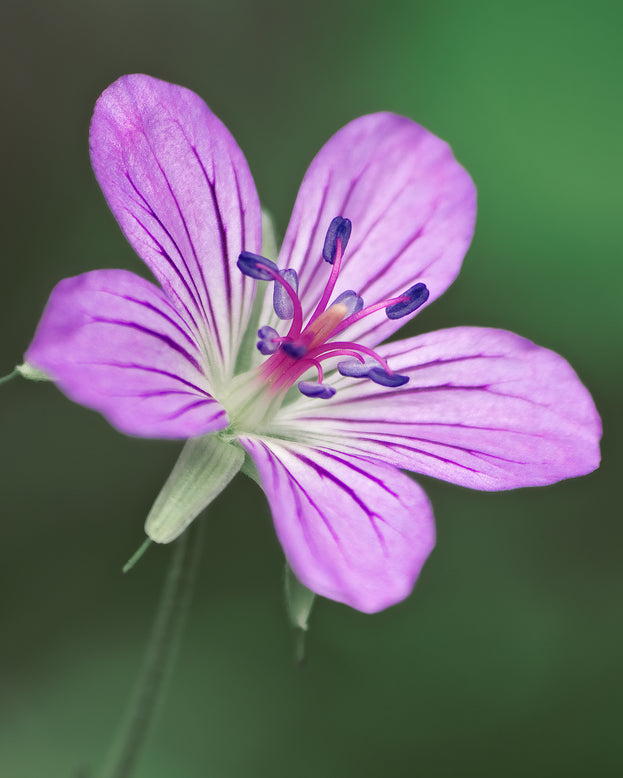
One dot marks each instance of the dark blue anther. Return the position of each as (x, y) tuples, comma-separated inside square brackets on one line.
[(282, 303), (379, 376), (311, 389), (351, 300), (339, 228), (265, 343), (353, 368), (294, 350), (417, 295), (255, 266)]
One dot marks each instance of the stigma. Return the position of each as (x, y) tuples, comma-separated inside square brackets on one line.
[(308, 343)]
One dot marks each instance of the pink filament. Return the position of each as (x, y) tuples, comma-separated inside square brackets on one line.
[(348, 349), (367, 311), (335, 271)]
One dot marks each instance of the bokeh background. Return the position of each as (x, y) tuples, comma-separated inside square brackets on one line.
[(506, 660)]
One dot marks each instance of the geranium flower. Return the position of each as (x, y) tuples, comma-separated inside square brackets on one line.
[(292, 386)]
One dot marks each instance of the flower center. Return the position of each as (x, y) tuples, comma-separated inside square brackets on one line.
[(307, 344)]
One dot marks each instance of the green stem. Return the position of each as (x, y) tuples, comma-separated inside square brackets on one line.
[(161, 650), (6, 378)]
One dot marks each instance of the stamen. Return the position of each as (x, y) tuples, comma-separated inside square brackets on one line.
[(264, 270), (339, 229), (269, 340), (414, 297), (354, 369), (256, 266), (379, 376), (283, 305), (333, 251), (318, 367), (347, 345), (292, 355), (343, 352), (351, 300), (294, 350), (405, 304), (311, 389)]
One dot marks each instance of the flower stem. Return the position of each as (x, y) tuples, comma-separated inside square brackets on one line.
[(157, 665), (6, 378)]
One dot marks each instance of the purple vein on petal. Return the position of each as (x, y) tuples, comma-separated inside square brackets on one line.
[(194, 253), (243, 213), (157, 393), (351, 466), (293, 480), (191, 406), (152, 333), (148, 369), (306, 274), (391, 261), (324, 473), (419, 390), (243, 231), (196, 298), (222, 231), (199, 299), (273, 463), (341, 211), (423, 452), (373, 322), (166, 256), (158, 311), (451, 446), (424, 365), (354, 247), (415, 424)]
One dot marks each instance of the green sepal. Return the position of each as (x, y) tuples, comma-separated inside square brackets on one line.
[(299, 600), (32, 373), (204, 468)]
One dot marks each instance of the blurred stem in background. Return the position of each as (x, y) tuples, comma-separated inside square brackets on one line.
[(160, 655)]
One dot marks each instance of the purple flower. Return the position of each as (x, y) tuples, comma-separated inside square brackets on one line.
[(276, 368)]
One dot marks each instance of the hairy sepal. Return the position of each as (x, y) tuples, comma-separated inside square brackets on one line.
[(205, 467)]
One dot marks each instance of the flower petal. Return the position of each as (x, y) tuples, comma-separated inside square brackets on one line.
[(181, 190), (412, 208), (353, 530), (113, 342), (484, 408)]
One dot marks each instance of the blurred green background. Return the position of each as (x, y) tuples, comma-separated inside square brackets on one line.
[(506, 660)]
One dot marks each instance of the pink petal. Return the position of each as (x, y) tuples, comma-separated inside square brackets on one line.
[(484, 408), (113, 342), (412, 208), (181, 190), (352, 530)]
